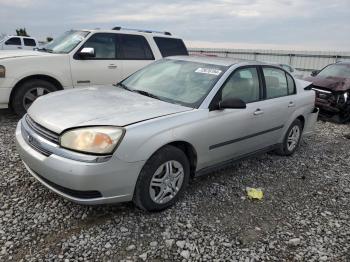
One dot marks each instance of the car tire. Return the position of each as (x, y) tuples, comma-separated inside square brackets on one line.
[(161, 183), (292, 139), (28, 92)]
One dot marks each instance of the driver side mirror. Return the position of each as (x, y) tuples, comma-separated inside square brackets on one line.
[(230, 103), (87, 52), (315, 72)]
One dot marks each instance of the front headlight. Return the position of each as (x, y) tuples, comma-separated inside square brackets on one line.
[(2, 71), (94, 140)]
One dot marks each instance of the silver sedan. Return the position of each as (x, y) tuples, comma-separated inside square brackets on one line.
[(143, 139)]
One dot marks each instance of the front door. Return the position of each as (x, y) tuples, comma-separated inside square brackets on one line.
[(231, 133), (13, 43), (104, 68)]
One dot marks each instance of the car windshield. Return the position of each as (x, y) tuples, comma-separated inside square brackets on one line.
[(176, 81), (65, 43), (336, 70)]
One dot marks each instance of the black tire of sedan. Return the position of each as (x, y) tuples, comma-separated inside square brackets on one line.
[(162, 180), (292, 139), (27, 92)]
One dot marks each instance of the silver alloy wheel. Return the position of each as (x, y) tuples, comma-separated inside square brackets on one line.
[(293, 138), (166, 182), (32, 94)]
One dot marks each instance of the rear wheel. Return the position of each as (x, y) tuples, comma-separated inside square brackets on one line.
[(292, 139), (28, 92), (162, 180)]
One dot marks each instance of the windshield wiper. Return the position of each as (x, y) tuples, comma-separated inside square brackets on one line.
[(145, 93), (123, 86), (142, 92), (44, 49)]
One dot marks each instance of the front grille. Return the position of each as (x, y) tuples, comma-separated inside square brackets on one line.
[(42, 131), (71, 192)]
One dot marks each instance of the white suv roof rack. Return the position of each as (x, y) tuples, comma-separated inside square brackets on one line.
[(141, 30)]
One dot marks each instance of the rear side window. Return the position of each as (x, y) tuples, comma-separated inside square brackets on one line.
[(276, 82), (29, 42), (134, 47), (13, 41), (170, 46)]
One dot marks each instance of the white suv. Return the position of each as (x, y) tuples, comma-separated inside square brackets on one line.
[(80, 58), (18, 42)]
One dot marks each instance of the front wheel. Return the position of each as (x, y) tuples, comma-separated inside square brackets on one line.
[(292, 139), (28, 92), (162, 180)]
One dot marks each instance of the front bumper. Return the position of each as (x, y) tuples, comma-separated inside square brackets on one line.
[(111, 181), (332, 103), (6, 85)]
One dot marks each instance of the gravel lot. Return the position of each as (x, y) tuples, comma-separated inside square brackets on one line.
[(305, 214)]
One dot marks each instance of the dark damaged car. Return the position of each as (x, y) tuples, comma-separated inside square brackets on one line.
[(332, 86)]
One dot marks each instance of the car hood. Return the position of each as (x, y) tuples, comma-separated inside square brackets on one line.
[(331, 83), (5, 54), (91, 106)]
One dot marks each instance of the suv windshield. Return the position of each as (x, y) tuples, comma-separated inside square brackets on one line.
[(175, 81), (337, 70), (66, 42)]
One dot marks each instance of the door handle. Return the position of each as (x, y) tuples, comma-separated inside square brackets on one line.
[(258, 112), (291, 104), (19, 47), (112, 66)]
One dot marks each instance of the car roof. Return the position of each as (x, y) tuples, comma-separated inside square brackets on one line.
[(221, 61), (130, 32)]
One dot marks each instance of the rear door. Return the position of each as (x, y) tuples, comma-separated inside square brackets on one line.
[(29, 43), (13, 43), (279, 102), (105, 68), (135, 53)]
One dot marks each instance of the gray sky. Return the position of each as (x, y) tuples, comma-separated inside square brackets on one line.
[(277, 24)]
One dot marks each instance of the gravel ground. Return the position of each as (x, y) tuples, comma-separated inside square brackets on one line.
[(305, 213)]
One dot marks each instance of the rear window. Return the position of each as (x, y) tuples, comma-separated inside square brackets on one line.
[(29, 42), (170, 46), (13, 41), (135, 47)]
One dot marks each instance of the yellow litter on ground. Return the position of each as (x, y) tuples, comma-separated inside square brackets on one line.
[(255, 193)]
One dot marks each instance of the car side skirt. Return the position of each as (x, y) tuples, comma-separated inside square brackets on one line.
[(210, 169)]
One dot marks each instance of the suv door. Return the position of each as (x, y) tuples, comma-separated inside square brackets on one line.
[(135, 53), (102, 69), (231, 133), (13, 43), (29, 43)]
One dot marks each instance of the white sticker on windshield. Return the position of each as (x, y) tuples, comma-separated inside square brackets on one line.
[(209, 71)]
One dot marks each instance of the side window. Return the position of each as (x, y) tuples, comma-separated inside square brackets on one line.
[(276, 82), (13, 41), (291, 85), (104, 44), (135, 47), (170, 46), (243, 84), (29, 42)]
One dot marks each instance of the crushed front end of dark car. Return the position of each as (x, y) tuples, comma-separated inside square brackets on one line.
[(332, 87)]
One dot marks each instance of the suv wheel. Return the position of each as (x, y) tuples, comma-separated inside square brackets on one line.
[(28, 92), (292, 139), (162, 180)]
